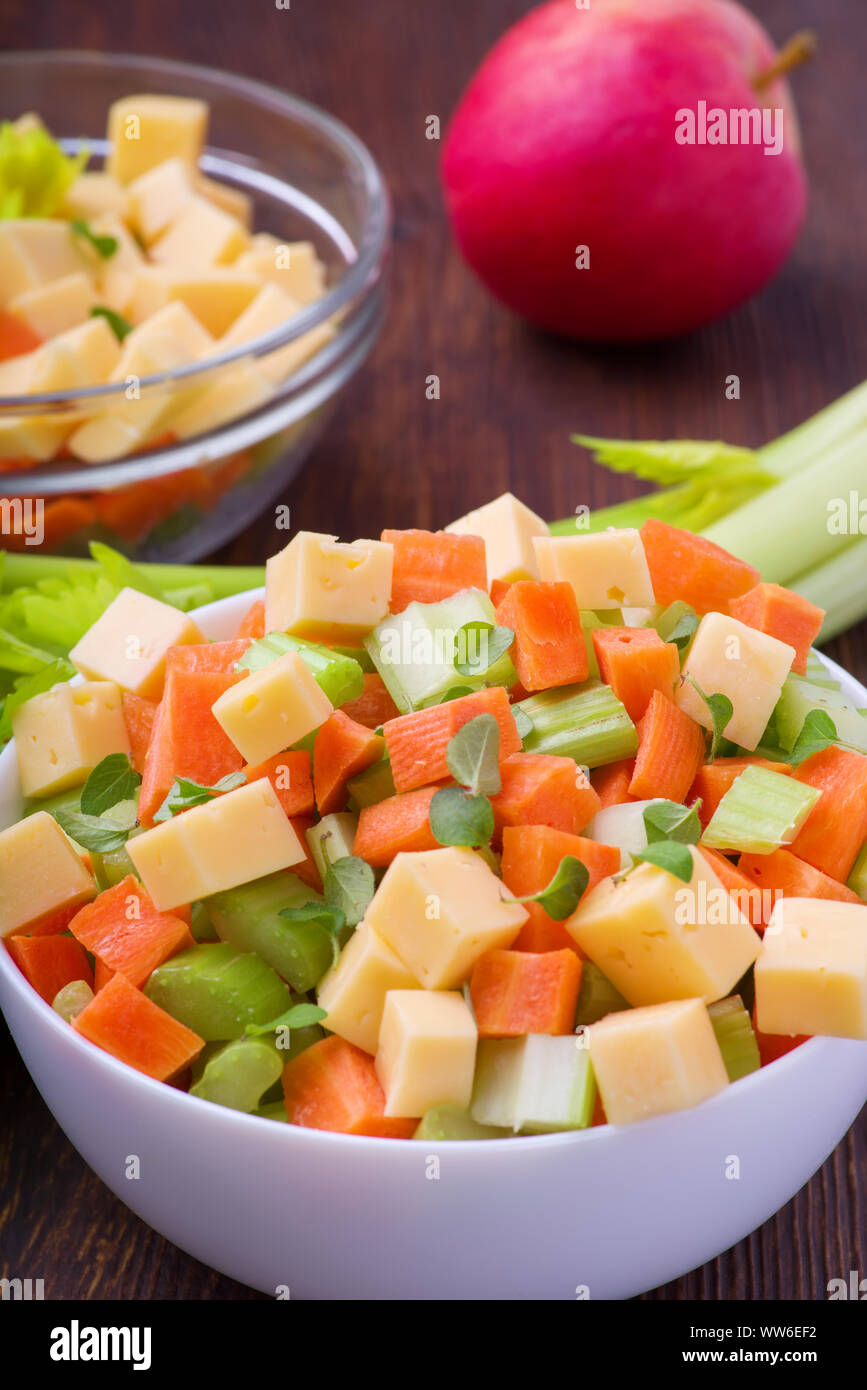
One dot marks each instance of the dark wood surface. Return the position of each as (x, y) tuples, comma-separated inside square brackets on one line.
[(509, 400)]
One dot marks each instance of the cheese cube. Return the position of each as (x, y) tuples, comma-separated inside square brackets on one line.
[(54, 307), (353, 991), (172, 337), (234, 201), (235, 391), (82, 356), (811, 974), (606, 570), (292, 266), (427, 1051), (216, 297), (94, 194), (40, 873), (655, 1060), (116, 274), (507, 528), (200, 235), (318, 587), (441, 909), (729, 658), (269, 310), (61, 735), (157, 196), (147, 130), (31, 437), (128, 643), (34, 250), (272, 708), (240, 835), (657, 938)]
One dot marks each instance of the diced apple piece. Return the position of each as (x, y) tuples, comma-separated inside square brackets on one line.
[(729, 658), (54, 307), (62, 734), (233, 392), (94, 194), (507, 527), (318, 587), (156, 198), (811, 974), (607, 569), (128, 643), (272, 708), (427, 1051), (353, 991), (34, 250), (171, 337), (147, 130), (216, 297), (200, 235), (82, 356), (269, 310), (292, 266), (40, 873)]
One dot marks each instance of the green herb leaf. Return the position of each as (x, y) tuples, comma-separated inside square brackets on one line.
[(113, 780), (349, 887), (564, 892), (184, 793), (721, 711), (479, 646), (122, 572), (102, 834), (669, 855), (817, 732), (25, 689), (669, 820), (456, 692), (682, 630), (104, 246), (119, 326), (296, 1016), (458, 818), (473, 755), (331, 919)]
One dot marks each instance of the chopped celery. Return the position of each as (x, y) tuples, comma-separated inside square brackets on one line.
[(331, 839), (817, 672), (640, 617), (109, 869), (69, 1001), (734, 1033), (61, 801), (534, 1085), (374, 784), (623, 827), (799, 696), (857, 880), (356, 654), (249, 918), (339, 676), (416, 651), (586, 722), (218, 990), (590, 621), (274, 1110), (597, 996), (239, 1073), (202, 927), (452, 1122), (760, 811)]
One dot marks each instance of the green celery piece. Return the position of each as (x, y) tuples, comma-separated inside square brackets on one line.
[(110, 869), (218, 990), (415, 651), (586, 722), (374, 784), (249, 918), (817, 672), (533, 1085), (356, 654), (590, 622), (799, 696), (69, 800), (733, 1028), (339, 677), (35, 173), (274, 1110), (761, 811), (857, 880), (202, 927), (597, 996), (71, 999), (239, 1073), (838, 586), (453, 1122), (331, 839)]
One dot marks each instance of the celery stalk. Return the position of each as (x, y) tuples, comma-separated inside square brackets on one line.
[(218, 990), (239, 1073), (69, 1001), (249, 918), (597, 996), (374, 784), (585, 722), (733, 1028), (339, 677), (857, 880), (533, 1085), (331, 839), (799, 697), (451, 1122), (274, 1110), (222, 580), (838, 586), (761, 811)]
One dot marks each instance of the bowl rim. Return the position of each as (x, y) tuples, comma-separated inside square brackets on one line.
[(597, 1134), (362, 273)]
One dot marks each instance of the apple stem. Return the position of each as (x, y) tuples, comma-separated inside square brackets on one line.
[(798, 50)]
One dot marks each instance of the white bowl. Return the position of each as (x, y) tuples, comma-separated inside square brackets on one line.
[(612, 1211)]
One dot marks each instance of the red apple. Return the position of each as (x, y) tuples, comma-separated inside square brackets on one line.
[(569, 136)]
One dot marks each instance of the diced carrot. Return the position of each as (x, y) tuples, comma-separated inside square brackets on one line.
[(599, 1116), (746, 893), (531, 857), (611, 782), (53, 923), (306, 870), (50, 962), (65, 516), (783, 874), (397, 825), (549, 647), (333, 1085), (128, 934), (342, 750), (782, 614), (125, 1023), (670, 752), (836, 828), (205, 755), (431, 565), (289, 775), (253, 621), (714, 779), (635, 661), (417, 742), (499, 589), (374, 707), (101, 974), (138, 716), (516, 992), (207, 656), (774, 1045), (16, 337), (688, 567), (542, 789)]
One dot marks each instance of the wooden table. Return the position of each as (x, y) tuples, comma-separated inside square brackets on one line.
[(509, 400)]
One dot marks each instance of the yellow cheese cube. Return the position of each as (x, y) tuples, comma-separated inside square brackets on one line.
[(128, 643), (292, 266), (61, 735), (507, 527), (82, 356), (94, 195), (811, 974), (606, 569), (657, 938), (273, 708), (31, 436), (54, 307), (147, 130), (353, 991), (40, 873), (157, 196), (317, 586), (270, 309), (440, 910), (216, 297), (34, 250), (427, 1051), (200, 235), (729, 658), (234, 201), (240, 835), (655, 1060), (115, 276), (171, 337), (232, 392)]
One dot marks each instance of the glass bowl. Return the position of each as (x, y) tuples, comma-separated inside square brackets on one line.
[(309, 178)]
